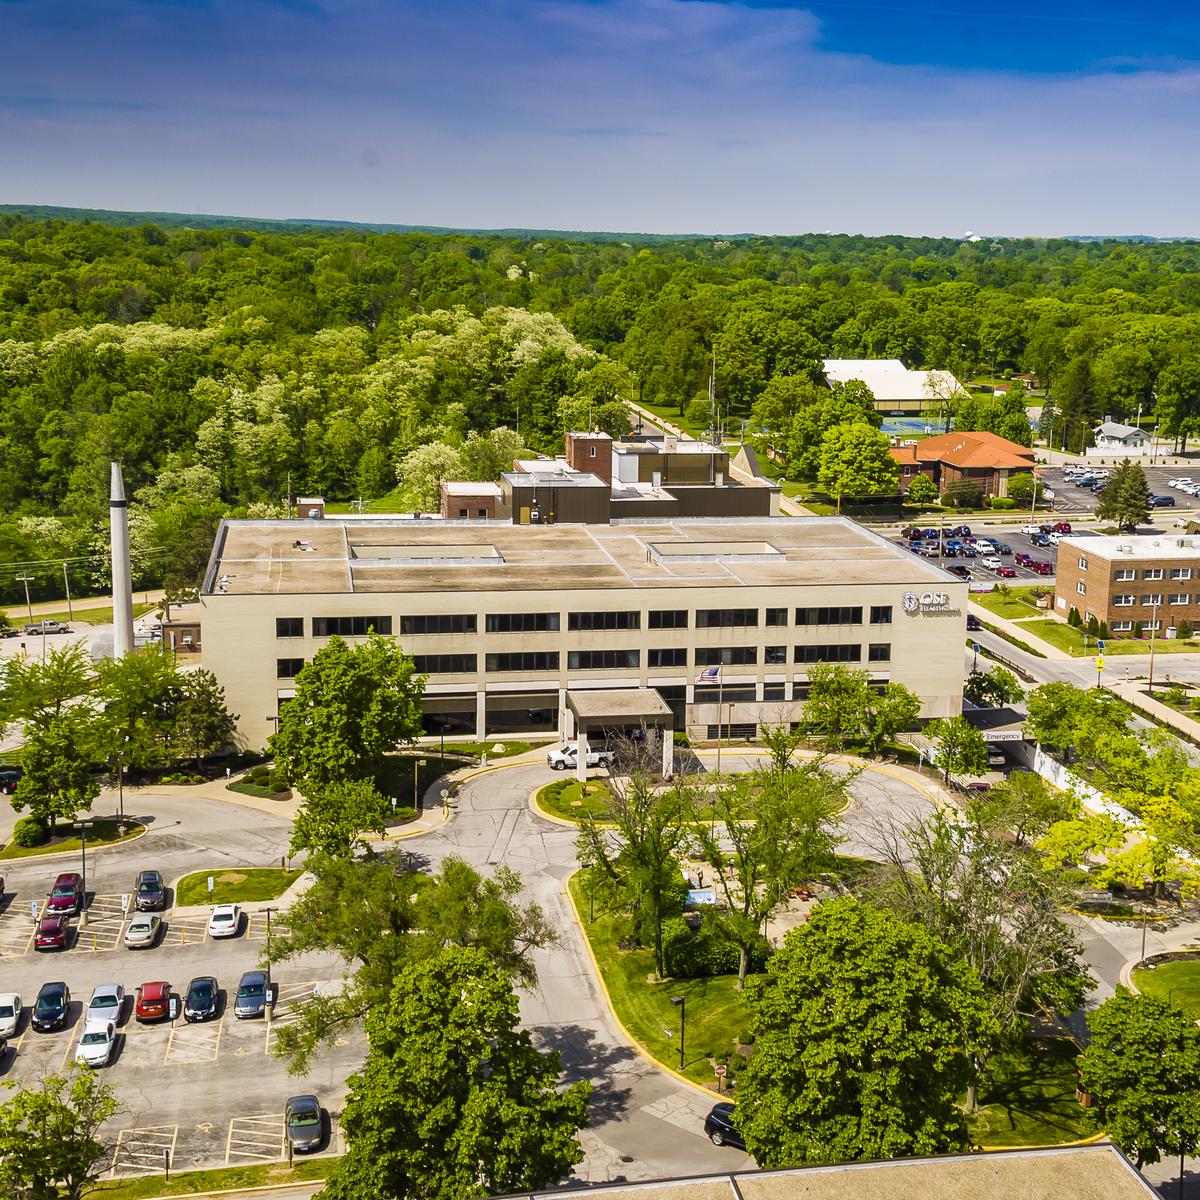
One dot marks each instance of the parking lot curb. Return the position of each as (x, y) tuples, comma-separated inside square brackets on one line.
[(51, 855), (257, 1190)]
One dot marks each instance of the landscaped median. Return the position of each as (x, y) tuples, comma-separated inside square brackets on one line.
[(104, 831), (198, 1183), (234, 885), (1028, 1100), (1177, 981)]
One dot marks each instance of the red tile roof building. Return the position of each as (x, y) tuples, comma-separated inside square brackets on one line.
[(984, 458)]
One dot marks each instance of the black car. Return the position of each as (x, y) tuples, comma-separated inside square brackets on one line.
[(720, 1127), (149, 893), (973, 622), (1003, 548), (304, 1123), (1039, 539), (1162, 501), (959, 570), (50, 1008), (251, 999), (200, 1003), (9, 778)]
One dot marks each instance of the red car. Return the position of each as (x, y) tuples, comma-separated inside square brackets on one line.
[(51, 934), (1005, 572), (153, 1001), (1023, 560), (1042, 568), (1063, 527), (66, 897)]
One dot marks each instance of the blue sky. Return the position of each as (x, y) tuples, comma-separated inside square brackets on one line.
[(1000, 116)]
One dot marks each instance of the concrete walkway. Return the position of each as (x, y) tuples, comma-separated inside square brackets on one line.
[(1133, 690), (1017, 630)]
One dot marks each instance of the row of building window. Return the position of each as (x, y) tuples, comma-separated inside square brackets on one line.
[(1150, 599), (1129, 574), (622, 660), (549, 622)]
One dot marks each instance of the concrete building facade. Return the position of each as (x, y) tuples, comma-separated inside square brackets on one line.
[(1127, 580), (721, 618)]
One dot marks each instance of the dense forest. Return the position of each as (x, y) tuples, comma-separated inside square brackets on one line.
[(230, 368)]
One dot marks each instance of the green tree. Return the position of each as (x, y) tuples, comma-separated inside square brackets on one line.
[(51, 1146), (850, 403), (139, 694), (922, 490), (993, 688), (638, 853), (1126, 497), (334, 817), (203, 723), (774, 830), (844, 709), (959, 748), (1025, 805), (454, 1101), (353, 706), (865, 1030), (856, 460), (379, 916), (1021, 487), (1142, 1066), (37, 691), (57, 783), (1178, 406), (421, 472)]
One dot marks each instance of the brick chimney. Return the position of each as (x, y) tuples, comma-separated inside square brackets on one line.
[(591, 452)]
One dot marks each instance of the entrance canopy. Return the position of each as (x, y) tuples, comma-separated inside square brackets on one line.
[(616, 708)]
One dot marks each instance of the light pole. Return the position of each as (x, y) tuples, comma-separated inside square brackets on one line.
[(417, 764), (269, 911), (28, 606), (83, 827), (1153, 631), (681, 1003)]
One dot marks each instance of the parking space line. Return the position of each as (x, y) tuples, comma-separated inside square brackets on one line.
[(140, 1149), (184, 931), (72, 1040), (16, 934), (260, 1138), (190, 1044), (290, 999)]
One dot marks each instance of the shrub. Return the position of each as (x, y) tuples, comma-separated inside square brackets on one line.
[(1138, 629), (696, 954), (922, 490), (1073, 618), (1185, 629), (1093, 626), (277, 781), (30, 831), (259, 774), (963, 493), (1103, 630), (679, 738), (1003, 502)]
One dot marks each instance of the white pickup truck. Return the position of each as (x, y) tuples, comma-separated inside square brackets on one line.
[(566, 758)]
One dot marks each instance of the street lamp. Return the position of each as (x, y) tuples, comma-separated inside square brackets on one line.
[(269, 911), (83, 827), (681, 1003), (417, 764)]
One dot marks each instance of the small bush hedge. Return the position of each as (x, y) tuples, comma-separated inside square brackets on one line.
[(699, 953), (30, 831), (1003, 502), (277, 781)]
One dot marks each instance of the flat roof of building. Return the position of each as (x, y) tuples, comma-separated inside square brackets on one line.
[(1131, 548), (345, 554), (1096, 1172), (889, 379), (462, 487)]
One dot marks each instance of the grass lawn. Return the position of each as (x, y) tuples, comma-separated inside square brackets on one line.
[(510, 750), (1176, 982), (235, 885), (715, 1012), (1015, 603), (566, 798), (1070, 639), (192, 1183), (1030, 1100), (82, 616), (103, 833), (393, 502), (670, 412), (248, 788)]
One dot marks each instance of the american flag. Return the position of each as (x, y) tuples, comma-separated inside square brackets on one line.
[(709, 675)]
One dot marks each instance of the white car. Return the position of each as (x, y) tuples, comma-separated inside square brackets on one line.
[(1178, 483), (1031, 529), (992, 562), (106, 1003), (96, 1044), (142, 931), (1055, 538), (567, 758), (10, 1013), (225, 921)]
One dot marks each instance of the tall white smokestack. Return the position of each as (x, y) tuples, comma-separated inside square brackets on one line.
[(122, 580)]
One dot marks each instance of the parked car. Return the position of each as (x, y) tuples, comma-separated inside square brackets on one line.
[(961, 531), (96, 1044), (968, 549), (149, 892), (10, 1014), (1022, 559), (1005, 571), (304, 1123), (106, 1003), (959, 570), (225, 921), (1175, 483), (931, 550), (992, 562), (995, 755), (911, 532), (1039, 539), (202, 999), (142, 931), (566, 758), (720, 1127), (1003, 548), (47, 626), (51, 1007), (1063, 527), (9, 778), (1031, 530), (251, 999), (1042, 568), (1162, 501), (51, 933), (973, 622), (152, 1001), (66, 897)]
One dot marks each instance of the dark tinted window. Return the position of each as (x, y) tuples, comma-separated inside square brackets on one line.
[(288, 668), (725, 618), (445, 664), (439, 623), (776, 616), (289, 626), (668, 618), (604, 620), (879, 652), (592, 660), (829, 616), (521, 622), (350, 626), (812, 654), (541, 660), (881, 614), (711, 656), (666, 658)]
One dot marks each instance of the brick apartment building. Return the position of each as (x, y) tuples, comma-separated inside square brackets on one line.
[(984, 458), (1126, 579)]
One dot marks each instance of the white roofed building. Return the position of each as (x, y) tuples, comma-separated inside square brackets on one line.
[(896, 388)]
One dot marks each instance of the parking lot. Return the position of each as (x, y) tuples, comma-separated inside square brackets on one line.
[(209, 1093), (1069, 498), (1015, 540)]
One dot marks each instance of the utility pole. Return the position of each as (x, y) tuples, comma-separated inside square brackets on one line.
[(67, 586), (25, 579)]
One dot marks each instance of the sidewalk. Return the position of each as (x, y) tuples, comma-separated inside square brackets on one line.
[(1015, 629), (1131, 691)]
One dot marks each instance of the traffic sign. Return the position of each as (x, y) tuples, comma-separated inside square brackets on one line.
[(975, 647), (1099, 661), (1100, 645), (721, 1070), (210, 887)]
